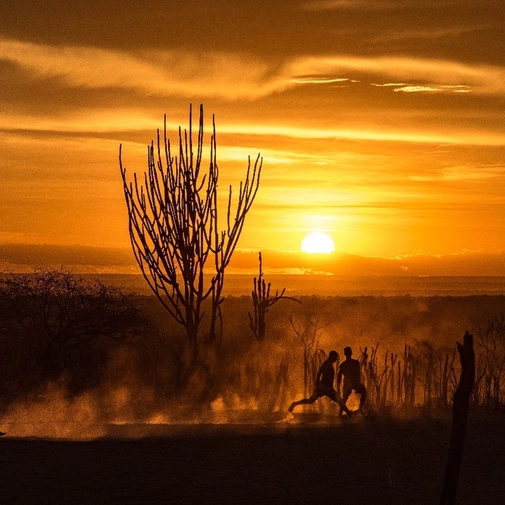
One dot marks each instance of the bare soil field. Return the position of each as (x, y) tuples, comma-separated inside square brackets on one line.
[(307, 459)]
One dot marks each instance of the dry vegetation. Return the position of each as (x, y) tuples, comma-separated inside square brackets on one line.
[(94, 352), (87, 363)]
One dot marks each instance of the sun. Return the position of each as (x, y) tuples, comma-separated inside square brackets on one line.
[(318, 243)]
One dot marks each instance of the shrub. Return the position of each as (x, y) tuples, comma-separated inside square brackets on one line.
[(55, 325)]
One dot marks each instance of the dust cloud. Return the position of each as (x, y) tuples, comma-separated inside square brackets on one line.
[(251, 382)]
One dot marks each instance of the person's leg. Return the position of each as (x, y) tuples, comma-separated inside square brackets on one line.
[(361, 390), (340, 401), (343, 407), (304, 401), (347, 393)]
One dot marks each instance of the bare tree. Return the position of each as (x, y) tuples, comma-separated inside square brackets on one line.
[(175, 227), (313, 356), (490, 383), (262, 301)]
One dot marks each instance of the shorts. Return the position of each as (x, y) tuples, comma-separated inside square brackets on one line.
[(358, 388), (323, 390)]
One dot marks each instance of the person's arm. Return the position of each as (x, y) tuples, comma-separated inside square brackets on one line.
[(318, 376)]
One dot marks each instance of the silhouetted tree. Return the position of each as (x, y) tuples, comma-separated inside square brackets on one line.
[(262, 301), (490, 381), (313, 356), (408, 378), (65, 310), (53, 322), (175, 227)]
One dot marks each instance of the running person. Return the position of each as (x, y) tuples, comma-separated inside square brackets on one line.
[(324, 385), (350, 370)]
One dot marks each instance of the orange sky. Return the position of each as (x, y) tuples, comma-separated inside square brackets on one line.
[(379, 122)]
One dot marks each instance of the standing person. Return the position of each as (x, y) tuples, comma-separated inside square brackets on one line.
[(324, 385), (350, 370)]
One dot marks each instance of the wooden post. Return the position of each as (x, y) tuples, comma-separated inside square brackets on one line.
[(459, 420)]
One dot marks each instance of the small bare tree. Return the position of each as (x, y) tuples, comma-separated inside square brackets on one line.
[(313, 356), (175, 227), (262, 301), (490, 384)]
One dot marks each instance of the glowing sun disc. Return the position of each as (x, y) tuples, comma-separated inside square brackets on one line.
[(318, 243)]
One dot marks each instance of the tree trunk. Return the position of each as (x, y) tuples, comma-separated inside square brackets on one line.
[(459, 420)]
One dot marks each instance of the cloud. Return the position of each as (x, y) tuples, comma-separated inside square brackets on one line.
[(463, 173), (420, 264), (323, 5), (25, 257), (433, 88), (307, 79), (162, 73), (414, 136), (235, 76), (450, 75)]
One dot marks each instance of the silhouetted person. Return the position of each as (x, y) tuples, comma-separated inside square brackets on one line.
[(324, 385), (350, 370)]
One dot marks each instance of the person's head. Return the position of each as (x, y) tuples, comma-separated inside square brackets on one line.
[(348, 352), (333, 356)]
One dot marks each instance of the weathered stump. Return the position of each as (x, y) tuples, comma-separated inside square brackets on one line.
[(459, 420)]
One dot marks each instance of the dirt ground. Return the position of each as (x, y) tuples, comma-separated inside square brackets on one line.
[(308, 460)]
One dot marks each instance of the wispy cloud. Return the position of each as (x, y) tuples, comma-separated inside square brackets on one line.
[(234, 76), (380, 5), (351, 5), (390, 135), (463, 173), (418, 88), (320, 80), (160, 73), (486, 79)]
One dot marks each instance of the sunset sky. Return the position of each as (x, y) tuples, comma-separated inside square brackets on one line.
[(379, 122)]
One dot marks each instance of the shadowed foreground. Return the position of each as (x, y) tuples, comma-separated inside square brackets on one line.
[(358, 462)]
